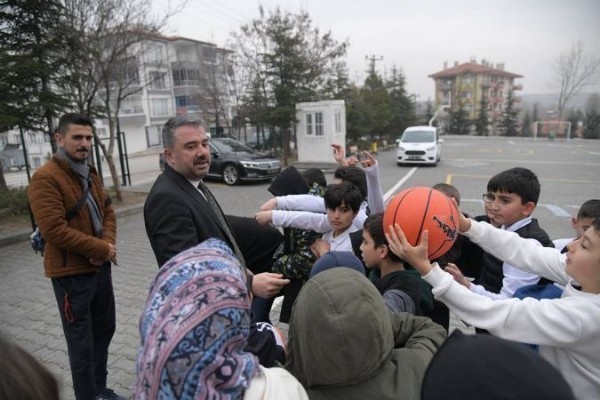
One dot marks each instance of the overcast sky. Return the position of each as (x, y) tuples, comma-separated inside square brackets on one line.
[(419, 35)]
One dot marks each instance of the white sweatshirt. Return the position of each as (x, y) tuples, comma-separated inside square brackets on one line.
[(305, 211), (567, 329)]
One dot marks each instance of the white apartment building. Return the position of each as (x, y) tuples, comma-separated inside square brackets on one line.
[(175, 75)]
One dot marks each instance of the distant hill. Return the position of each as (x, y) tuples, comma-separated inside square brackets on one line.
[(549, 101)]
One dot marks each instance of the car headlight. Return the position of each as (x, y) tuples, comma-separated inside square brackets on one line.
[(249, 164), (400, 148), (432, 148)]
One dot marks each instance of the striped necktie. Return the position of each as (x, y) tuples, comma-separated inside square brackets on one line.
[(212, 202)]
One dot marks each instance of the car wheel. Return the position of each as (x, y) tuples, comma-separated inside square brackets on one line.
[(231, 175)]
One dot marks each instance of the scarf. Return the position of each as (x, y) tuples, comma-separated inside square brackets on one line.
[(82, 170), (194, 328)]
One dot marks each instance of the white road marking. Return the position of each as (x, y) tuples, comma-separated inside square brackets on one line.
[(397, 186)]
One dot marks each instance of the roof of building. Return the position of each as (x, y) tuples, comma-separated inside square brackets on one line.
[(474, 68)]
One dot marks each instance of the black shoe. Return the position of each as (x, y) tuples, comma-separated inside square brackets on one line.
[(108, 394)]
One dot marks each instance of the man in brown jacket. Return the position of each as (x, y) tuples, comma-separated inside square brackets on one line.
[(78, 253)]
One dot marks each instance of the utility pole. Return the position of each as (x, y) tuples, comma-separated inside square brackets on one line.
[(372, 60)]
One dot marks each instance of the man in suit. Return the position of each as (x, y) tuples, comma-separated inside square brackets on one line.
[(180, 211)]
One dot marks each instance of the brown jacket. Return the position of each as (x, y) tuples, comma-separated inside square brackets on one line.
[(54, 190)]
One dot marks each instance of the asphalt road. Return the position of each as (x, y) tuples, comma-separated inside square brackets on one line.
[(568, 173)]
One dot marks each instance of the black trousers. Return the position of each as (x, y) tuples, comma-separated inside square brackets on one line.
[(87, 309)]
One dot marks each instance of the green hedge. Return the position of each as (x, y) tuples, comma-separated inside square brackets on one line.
[(14, 202)]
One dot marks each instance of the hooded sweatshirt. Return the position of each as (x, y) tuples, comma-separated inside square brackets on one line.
[(345, 344)]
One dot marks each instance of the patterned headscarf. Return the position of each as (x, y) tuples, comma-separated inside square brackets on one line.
[(194, 328)]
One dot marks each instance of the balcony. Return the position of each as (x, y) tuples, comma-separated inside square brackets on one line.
[(443, 85), (518, 87), (130, 111)]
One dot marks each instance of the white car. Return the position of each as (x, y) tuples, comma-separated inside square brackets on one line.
[(419, 145)]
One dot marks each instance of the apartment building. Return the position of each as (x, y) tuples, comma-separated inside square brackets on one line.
[(175, 76), (463, 85), (170, 75)]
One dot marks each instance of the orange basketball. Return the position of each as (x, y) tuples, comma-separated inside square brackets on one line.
[(423, 208)]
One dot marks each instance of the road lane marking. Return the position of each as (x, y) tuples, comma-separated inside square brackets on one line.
[(449, 179)]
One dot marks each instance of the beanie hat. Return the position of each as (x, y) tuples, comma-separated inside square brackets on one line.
[(334, 259)]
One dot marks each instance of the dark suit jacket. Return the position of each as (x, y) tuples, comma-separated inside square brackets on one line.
[(178, 217)]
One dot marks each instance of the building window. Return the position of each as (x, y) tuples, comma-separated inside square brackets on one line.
[(36, 162), (186, 77), (319, 124), (101, 132), (159, 107), (338, 122), (187, 53), (309, 126), (153, 54), (157, 80)]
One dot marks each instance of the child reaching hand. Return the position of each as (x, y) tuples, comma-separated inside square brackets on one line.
[(567, 329)]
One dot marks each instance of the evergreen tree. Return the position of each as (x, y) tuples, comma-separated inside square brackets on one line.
[(592, 125), (591, 128), (526, 125), (402, 107), (31, 45), (458, 116), (376, 104), (294, 59), (509, 121), (482, 122)]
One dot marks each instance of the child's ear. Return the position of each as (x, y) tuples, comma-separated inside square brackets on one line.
[(528, 209), (574, 222)]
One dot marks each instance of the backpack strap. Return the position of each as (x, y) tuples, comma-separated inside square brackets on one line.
[(73, 211)]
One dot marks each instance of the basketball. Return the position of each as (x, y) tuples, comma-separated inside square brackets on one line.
[(422, 208)]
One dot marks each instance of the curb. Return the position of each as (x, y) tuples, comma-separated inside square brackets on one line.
[(23, 235)]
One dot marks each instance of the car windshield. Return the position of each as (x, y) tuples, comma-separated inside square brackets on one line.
[(230, 146), (418, 137)]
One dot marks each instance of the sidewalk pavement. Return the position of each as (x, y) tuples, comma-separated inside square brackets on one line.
[(29, 314)]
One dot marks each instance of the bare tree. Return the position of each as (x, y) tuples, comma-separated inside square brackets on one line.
[(573, 71), (108, 42)]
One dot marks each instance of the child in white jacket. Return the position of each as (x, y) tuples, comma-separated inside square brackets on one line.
[(567, 329)]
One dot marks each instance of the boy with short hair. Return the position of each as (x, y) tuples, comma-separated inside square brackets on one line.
[(343, 202), (567, 329), (586, 214), (512, 195), (401, 286)]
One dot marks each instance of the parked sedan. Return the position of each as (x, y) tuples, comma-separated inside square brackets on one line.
[(234, 162)]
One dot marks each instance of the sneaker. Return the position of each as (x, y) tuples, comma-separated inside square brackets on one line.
[(108, 394)]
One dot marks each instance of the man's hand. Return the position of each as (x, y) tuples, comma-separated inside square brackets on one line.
[(414, 255), (112, 253), (269, 205), (320, 247), (268, 284), (264, 217), (453, 270)]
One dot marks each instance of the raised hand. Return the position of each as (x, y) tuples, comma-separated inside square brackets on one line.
[(414, 255)]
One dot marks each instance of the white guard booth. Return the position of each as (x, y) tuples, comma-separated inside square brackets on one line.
[(320, 124)]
